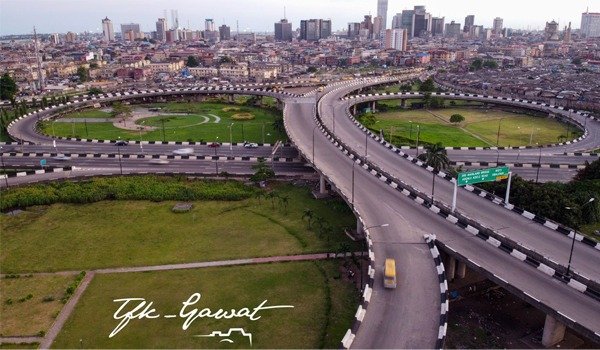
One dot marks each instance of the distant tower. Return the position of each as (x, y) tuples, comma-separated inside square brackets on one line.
[(175, 19), (498, 24), (382, 8), (107, 30), (209, 25), (567, 37), (39, 60), (161, 29)]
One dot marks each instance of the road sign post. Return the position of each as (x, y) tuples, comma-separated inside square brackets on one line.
[(482, 175)]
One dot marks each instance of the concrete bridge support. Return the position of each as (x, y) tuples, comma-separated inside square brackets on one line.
[(354, 110), (359, 227), (461, 269), (231, 98), (374, 107), (554, 332), (403, 103), (450, 267), (322, 188)]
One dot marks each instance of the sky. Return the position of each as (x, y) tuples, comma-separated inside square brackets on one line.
[(61, 16)]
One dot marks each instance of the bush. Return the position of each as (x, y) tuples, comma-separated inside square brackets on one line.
[(153, 188), (48, 298)]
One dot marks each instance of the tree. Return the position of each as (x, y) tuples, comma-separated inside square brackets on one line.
[(8, 87), (272, 196), (192, 61), (284, 201), (226, 60), (311, 70), (94, 65), (309, 215), (278, 124), (428, 85), (436, 157), (491, 64), (477, 64), (121, 110), (590, 172), (456, 119), (95, 91), (263, 171), (83, 74)]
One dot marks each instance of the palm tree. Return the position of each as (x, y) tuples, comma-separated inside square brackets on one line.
[(284, 200), (258, 195), (436, 157), (272, 195), (309, 216)]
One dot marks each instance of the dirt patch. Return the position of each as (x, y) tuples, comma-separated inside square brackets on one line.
[(231, 109)]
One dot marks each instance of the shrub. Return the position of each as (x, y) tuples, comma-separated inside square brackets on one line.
[(48, 298)]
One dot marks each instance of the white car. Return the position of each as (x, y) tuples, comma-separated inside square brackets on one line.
[(183, 151), (250, 145), (62, 157), (159, 161)]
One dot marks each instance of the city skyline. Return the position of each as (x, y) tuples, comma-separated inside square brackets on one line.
[(192, 14)]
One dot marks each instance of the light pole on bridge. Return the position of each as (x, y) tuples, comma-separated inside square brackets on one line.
[(568, 274)]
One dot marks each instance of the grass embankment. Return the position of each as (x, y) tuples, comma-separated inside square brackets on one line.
[(313, 322), (31, 303), (136, 233), (199, 125), (480, 128)]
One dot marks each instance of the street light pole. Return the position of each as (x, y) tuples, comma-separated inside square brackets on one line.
[(418, 134), (119, 151), (573, 242), (498, 135), (231, 139), (366, 144), (3, 167), (313, 145), (353, 165), (537, 175)]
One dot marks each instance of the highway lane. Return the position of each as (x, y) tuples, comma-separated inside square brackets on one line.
[(534, 236), (513, 156), (224, 150), (408, 316)]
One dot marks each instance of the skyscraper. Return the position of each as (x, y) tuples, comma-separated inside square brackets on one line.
[(161, 29), (209, 25), (396, 39), (224, 33), (325, 29), (283, 30), (497, 29), (377, 27), (437, 26), (590, 24), (406, 21), (315, 29), (421, 23), (107, 30), (382, 7), (131, 31), (452, 29), (469, 22)]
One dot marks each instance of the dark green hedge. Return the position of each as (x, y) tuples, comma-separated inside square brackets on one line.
[(153, 188)]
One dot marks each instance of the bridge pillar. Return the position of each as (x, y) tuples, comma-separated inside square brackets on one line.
[(231, 98), (322, 188), (354, 110), (403, 103), (461, 270), (554, 332), (359, 226), (374, 106), (450, 267)]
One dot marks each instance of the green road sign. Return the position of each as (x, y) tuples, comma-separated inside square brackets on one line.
[(484, 175)]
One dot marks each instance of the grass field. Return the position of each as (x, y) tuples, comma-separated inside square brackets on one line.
[(308, 286), (193, 127), (21, 316), (89, 113), (134, 233), (479, 129)]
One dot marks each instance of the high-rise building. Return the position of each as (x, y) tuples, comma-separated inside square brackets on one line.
[(437, 26), (551, 31), (325, 29), (406, 21), (131, 31), (396, 21), (161, 29), (453, 30), (70, 37), (567, 36), (209, 25), (396, 39), (54, 38), (224, 33), (107, 30), (469, 22), (378, 27), (283, 30), (353, 30), (174, 19), (590, 24), (498, 23), (421, 22), (367, 25), (382, 7)]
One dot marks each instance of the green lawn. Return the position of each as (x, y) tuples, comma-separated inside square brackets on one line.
[(191, 127), (135, 233), (89, 113), (479, 129), (21, 316), (304, 285)]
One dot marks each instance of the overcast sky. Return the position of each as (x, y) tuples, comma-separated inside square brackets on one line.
[(60, 16)]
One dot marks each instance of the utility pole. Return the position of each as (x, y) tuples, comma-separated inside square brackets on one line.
[(39, 61)]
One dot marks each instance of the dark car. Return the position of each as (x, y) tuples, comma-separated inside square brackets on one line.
[(121, 143), (214, 145)]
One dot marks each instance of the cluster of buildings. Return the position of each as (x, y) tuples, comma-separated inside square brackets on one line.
[(170, 54)]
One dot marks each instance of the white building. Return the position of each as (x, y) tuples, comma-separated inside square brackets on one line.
[(107, 30), (394, 39), (590, 24)]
